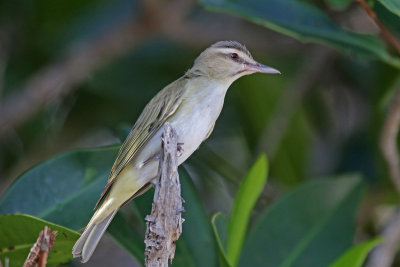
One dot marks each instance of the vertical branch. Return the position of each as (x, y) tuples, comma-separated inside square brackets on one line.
[(384, 254), (388, 142), (164, 224)]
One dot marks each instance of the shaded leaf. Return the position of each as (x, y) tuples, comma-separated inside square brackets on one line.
[(339, 4), (311, 226), (392, 5), (196, 230), (305, 22), (19, 232), (249, 191), (220, 226), (355, 256), (122, 231), (63, 189)]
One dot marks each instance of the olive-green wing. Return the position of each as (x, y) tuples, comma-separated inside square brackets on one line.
[(153, 117)]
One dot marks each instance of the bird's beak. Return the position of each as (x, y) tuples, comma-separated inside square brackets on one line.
[(258, 67)]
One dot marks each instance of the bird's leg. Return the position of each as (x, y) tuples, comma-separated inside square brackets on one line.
[(179, 149), (154, 157)]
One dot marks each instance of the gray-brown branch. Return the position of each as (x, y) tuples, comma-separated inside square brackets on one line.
[(164, 224), (40, 251), (384, 254), (388, 140)]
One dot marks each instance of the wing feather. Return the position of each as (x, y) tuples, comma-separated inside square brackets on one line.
[(153, 117)]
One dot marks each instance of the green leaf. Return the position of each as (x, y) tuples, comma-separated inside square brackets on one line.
[(305, 22), (220, 225), (339, 4), (392, 5), (311, 226), (355, 256), (19, 232), (63, 189), (122, 231), (196, 230), (246, 198)]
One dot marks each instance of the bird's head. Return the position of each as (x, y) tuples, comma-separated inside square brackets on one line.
[(228, 61)]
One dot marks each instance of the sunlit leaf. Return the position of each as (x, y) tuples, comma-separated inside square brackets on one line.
[(246, 198), (355, 256)]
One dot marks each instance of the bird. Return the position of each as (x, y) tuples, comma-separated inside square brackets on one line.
[(191, 105)]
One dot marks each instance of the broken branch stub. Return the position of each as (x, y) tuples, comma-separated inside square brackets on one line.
[(164, 224), (40, 251)]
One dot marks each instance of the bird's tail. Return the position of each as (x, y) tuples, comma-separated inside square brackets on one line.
[(89, 239)]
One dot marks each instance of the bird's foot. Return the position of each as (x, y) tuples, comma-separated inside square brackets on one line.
[(155, 157), (179, 149)]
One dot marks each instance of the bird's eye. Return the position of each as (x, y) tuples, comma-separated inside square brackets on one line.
[(234, 56)]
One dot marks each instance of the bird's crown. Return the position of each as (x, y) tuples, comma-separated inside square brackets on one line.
[(227, 61)]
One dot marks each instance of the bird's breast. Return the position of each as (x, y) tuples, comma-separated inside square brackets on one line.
[(196, 119), (192, 122)]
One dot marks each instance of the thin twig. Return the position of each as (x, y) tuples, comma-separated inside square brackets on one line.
[(383, 255), (164, 224), (385, 33), (388, 142), (40, 251)]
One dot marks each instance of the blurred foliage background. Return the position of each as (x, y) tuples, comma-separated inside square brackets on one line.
[(76, 74)]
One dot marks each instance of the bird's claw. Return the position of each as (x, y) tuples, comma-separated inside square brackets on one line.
[(179, 149)]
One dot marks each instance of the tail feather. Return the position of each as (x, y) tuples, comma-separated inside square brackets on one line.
[(89, 239)]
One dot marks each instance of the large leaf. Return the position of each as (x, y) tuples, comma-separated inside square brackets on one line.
[(392, 5), (196, 230), (305, 22), (123, 232), (311, 226), (355, 256), (19, 232), (63, 189), (246, 198)]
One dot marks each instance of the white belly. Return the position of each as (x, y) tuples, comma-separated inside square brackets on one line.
[(192, 123)]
